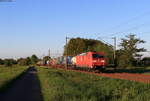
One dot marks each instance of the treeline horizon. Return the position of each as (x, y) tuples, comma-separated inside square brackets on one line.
[(127, 56), (32, 60)]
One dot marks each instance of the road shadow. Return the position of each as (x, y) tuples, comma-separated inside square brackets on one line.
[(26, 88), (8, 84)]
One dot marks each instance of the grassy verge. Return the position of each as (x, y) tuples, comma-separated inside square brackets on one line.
[(9, 74), (148, 68), (61, 85)]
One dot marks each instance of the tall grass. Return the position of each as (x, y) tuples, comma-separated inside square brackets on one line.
[(8, 74), (61, 85)]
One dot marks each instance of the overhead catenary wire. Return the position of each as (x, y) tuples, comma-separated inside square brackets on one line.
[(140, 16), (132, 19), (101, 39), (136, 27), (130, 29)]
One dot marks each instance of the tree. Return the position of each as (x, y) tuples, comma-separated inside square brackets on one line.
[(75, 46), (129, 51), (34, 59), (28, 61), (1, 62), (46, 58), (24, 61), (145, 61), (9, 62)]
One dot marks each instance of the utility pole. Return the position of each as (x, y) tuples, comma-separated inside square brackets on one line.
[(43, 55), (49, 53), (66, 52), (115, 45)]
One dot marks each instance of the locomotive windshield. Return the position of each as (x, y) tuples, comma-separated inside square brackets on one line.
[(97, 56)]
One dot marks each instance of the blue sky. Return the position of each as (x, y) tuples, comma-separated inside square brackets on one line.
[(33, 26)]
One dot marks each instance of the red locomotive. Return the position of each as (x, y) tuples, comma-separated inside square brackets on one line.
[(92, 60)]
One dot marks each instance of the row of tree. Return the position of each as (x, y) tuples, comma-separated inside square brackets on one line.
[(126, 56), (21, 61)]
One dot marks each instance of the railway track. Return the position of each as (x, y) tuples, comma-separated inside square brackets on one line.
[(125, 76)]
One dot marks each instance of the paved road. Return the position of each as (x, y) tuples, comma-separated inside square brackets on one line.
[(27, 88)]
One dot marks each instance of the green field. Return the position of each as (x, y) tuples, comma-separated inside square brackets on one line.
[(8, 74), (61, 85)]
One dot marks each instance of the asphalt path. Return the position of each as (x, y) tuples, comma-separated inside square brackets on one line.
[(27, 88)]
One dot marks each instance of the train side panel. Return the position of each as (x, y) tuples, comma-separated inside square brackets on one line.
[(91, 60)]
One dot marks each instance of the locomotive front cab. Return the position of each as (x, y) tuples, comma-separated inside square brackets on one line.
[(98, 61)]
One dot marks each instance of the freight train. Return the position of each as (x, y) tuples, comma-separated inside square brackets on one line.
[(88, 60)]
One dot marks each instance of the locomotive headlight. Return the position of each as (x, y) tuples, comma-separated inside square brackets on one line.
[(102, 61), (94, 61)]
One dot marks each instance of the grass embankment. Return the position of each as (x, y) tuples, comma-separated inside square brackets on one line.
[(148, 69), (61, 85), (9, 74)]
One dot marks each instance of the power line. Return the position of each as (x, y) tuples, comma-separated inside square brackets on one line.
[(130, 20), (148, 32), (130, 29), (134, 19), (104, 41)]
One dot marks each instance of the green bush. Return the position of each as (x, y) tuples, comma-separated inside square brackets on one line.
[(9, 62)]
